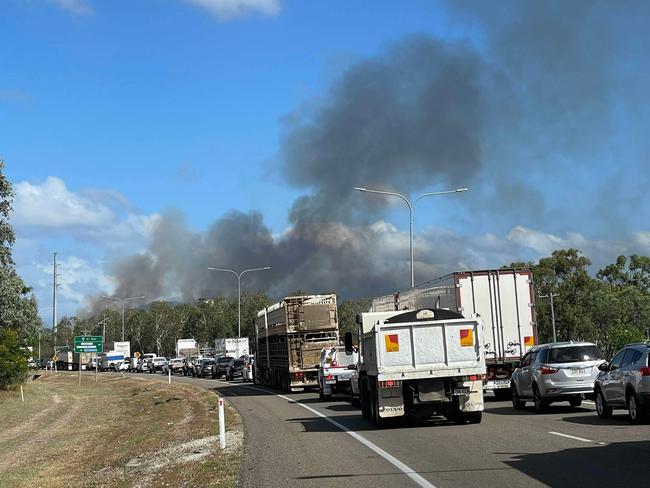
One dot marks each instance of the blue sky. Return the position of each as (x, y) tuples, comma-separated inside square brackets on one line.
[(113, 114)]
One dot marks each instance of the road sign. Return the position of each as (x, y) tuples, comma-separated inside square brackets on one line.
[(88, 344), (55, 358), (137, 354)]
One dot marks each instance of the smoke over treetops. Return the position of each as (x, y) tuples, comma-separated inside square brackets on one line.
[(423, 112)]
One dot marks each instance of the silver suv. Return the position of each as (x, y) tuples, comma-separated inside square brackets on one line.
[(555, 372), (624, 382)]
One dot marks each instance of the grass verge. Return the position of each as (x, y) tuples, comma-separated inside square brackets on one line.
[(68, 435)]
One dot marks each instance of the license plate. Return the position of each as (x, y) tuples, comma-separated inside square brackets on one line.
[(461, 391), (502, 383), (330, 382), (579, 370)]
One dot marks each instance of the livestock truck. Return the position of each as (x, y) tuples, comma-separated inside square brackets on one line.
[(290, 336), (504, 300), (420, 363)]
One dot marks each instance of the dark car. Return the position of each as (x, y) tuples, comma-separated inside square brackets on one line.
[(235, 369), (221, 366), (204, 367)]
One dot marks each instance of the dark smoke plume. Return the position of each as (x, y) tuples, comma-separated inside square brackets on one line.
[(538, 89)]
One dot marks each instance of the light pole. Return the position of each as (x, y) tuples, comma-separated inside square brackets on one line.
[(411, 206), (123, 302), (239, 275)]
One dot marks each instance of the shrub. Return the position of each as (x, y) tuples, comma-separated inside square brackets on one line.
[(13, 359)]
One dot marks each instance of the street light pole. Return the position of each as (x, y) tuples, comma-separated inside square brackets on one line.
[(239, 275), (411, 206), (123, 302)]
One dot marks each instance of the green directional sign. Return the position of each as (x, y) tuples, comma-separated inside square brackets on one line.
[(88, 344)]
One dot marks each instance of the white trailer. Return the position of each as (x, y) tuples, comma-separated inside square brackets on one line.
[(119, 346), (235, 347), (503, 298), (186, 347), (420, 363), (110, 360)]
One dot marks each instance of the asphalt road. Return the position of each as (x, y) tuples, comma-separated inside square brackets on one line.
[(297, 440)]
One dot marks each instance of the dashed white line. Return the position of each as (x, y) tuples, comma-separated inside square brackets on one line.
[(575, 438), (415, 477)]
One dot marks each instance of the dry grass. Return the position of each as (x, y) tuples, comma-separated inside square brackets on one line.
[(67, 435)]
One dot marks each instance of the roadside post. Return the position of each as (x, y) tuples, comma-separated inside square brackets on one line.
[(86, 344), (22, 395), (169, 373), (96, 366), (222, 425)]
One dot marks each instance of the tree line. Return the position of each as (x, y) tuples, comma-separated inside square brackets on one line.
[(611, 308)]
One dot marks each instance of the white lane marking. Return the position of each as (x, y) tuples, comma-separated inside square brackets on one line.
[(581, 439), (419, 480)]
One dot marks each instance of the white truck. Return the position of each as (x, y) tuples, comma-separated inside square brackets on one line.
[(186, 347), (504, 300), (119, 346), (420, 363), (335, 370), (234, 347), (110, 360)]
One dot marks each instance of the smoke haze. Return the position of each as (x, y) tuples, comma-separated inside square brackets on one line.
[(540, 87)]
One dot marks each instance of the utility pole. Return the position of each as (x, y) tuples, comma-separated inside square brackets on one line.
[(551, 296), (54, 285)]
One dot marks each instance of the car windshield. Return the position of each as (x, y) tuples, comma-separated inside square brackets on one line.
[(238, 363), (208, 362), (574, 354)]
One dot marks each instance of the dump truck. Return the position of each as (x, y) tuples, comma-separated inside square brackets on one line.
[(419, 363), (290, 336), (504, 300)]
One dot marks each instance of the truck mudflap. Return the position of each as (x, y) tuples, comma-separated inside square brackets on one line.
[(470, 396), (391, 402)]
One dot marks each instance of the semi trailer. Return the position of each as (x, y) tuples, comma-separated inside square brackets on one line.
[(290, 336)]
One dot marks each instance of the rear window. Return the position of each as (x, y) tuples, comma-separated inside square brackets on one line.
[(574, 354), (343, 359), (224, 360), (238, 363)]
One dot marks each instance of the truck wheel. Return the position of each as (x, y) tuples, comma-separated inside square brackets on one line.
[(363, 401), (473, 417), (575, 402), (379, 422)]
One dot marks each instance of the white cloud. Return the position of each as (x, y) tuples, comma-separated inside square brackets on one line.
[(77, 277), (76, 7), (230, 9), (51, 204)]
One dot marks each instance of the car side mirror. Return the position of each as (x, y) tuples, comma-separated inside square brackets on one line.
[(603, 366), (352, 367), (349, 347)]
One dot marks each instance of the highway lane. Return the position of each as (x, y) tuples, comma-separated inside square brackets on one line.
[(289, 445)]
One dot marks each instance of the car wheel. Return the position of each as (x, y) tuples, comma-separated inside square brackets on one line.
[(603, 411), (637, 415), (541, 405), (517, 403)]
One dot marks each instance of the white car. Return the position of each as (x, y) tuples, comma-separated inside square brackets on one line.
[(122, 366), (157, 364), (335, 370)]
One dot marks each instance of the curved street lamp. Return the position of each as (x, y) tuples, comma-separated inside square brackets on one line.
[(411, 206), (239, 275)]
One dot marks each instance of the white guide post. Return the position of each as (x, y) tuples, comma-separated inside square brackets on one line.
[(222, 425)]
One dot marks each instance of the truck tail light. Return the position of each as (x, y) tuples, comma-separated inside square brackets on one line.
[(390, 384), (548, 370), (329, 377), (298, 376), (645, 371)]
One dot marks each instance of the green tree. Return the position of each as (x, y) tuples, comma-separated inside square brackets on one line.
[(13, 359), (348, 311), (19, 320)]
